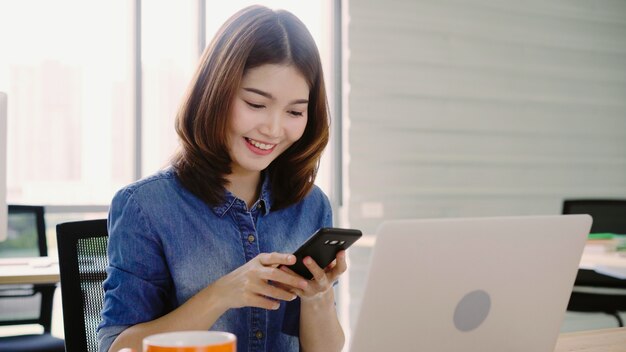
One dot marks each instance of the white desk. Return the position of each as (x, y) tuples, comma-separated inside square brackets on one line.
[(35, 270), (609, 263), (606, 340)]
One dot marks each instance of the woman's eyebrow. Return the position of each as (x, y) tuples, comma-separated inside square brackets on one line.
[(270, 96)]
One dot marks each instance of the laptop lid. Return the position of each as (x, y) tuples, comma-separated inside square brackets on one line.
[(475, 284)]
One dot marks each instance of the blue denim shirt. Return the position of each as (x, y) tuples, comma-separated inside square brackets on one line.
[(165, 245)]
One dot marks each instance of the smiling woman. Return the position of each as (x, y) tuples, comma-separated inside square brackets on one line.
[(239, 196), (82, 121)]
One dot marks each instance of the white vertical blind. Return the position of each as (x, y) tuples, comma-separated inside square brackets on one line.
[(484, 107)]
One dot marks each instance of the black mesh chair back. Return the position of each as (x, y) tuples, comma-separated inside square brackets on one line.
[(609, 215), (27, 304), (82, 262)]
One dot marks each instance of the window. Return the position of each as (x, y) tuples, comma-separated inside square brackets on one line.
[(67, 69), (170, 53), (70, 73)]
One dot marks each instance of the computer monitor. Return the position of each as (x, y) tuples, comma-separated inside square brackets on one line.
[(3, 166)]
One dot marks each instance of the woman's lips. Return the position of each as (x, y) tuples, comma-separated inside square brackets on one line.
[(259, 148)]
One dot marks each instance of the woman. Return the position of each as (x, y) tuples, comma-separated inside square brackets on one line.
[(205, 243)]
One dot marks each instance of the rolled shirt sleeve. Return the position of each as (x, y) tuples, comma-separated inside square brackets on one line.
[(138, 284)]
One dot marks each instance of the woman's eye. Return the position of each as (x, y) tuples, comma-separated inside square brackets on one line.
[(295, 113), (255, 106)]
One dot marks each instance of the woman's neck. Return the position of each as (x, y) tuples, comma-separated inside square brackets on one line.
[(244, 186)]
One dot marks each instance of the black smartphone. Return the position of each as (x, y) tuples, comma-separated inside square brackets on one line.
[(323, 247)]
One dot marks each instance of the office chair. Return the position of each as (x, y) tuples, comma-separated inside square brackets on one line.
[(82, 261), (27, 304), (608, 216)]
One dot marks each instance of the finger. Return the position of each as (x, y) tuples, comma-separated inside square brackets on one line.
[(275, 292), (330, 266), (340, 267), (274, 258), (287, 270), (283, 277), (318, 273), (295, 291), (303, 284), (298, 292), (263, 302)]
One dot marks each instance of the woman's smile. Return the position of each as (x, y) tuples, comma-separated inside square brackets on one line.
[(258, 147)]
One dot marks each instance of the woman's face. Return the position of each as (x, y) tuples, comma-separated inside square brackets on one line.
[(269, 114)]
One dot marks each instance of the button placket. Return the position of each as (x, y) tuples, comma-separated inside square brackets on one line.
[(246, 221)]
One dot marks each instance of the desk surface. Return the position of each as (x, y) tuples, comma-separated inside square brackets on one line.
[(611, 263), (606, 340), (46, 270), (38, 270)]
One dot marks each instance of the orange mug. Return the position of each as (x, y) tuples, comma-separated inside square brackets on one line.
[(191, 341)]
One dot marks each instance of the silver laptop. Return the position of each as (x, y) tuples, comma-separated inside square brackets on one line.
[(477, 285)]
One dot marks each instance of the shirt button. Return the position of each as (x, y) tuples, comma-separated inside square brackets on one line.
[(259, 335), (251, 238)]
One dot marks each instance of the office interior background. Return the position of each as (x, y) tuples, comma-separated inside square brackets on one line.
[(441, 108)]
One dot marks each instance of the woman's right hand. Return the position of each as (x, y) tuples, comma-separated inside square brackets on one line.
[(250, 285)]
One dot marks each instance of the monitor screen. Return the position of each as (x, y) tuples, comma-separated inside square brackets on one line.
[(3, 166)]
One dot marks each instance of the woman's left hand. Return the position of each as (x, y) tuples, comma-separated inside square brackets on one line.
[(323, 279)]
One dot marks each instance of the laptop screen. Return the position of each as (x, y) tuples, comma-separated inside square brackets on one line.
[(481, 284)]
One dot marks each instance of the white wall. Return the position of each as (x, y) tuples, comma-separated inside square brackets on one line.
[(483, 107), (3, 165)]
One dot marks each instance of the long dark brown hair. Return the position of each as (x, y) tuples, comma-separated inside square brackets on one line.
[(252, 37)]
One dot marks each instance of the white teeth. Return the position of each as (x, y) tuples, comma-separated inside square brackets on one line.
[(260, 145)]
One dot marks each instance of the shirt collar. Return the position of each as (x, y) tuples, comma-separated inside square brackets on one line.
[(264, 203)]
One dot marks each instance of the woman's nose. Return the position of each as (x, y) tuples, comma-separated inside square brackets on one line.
[(272, 124)]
